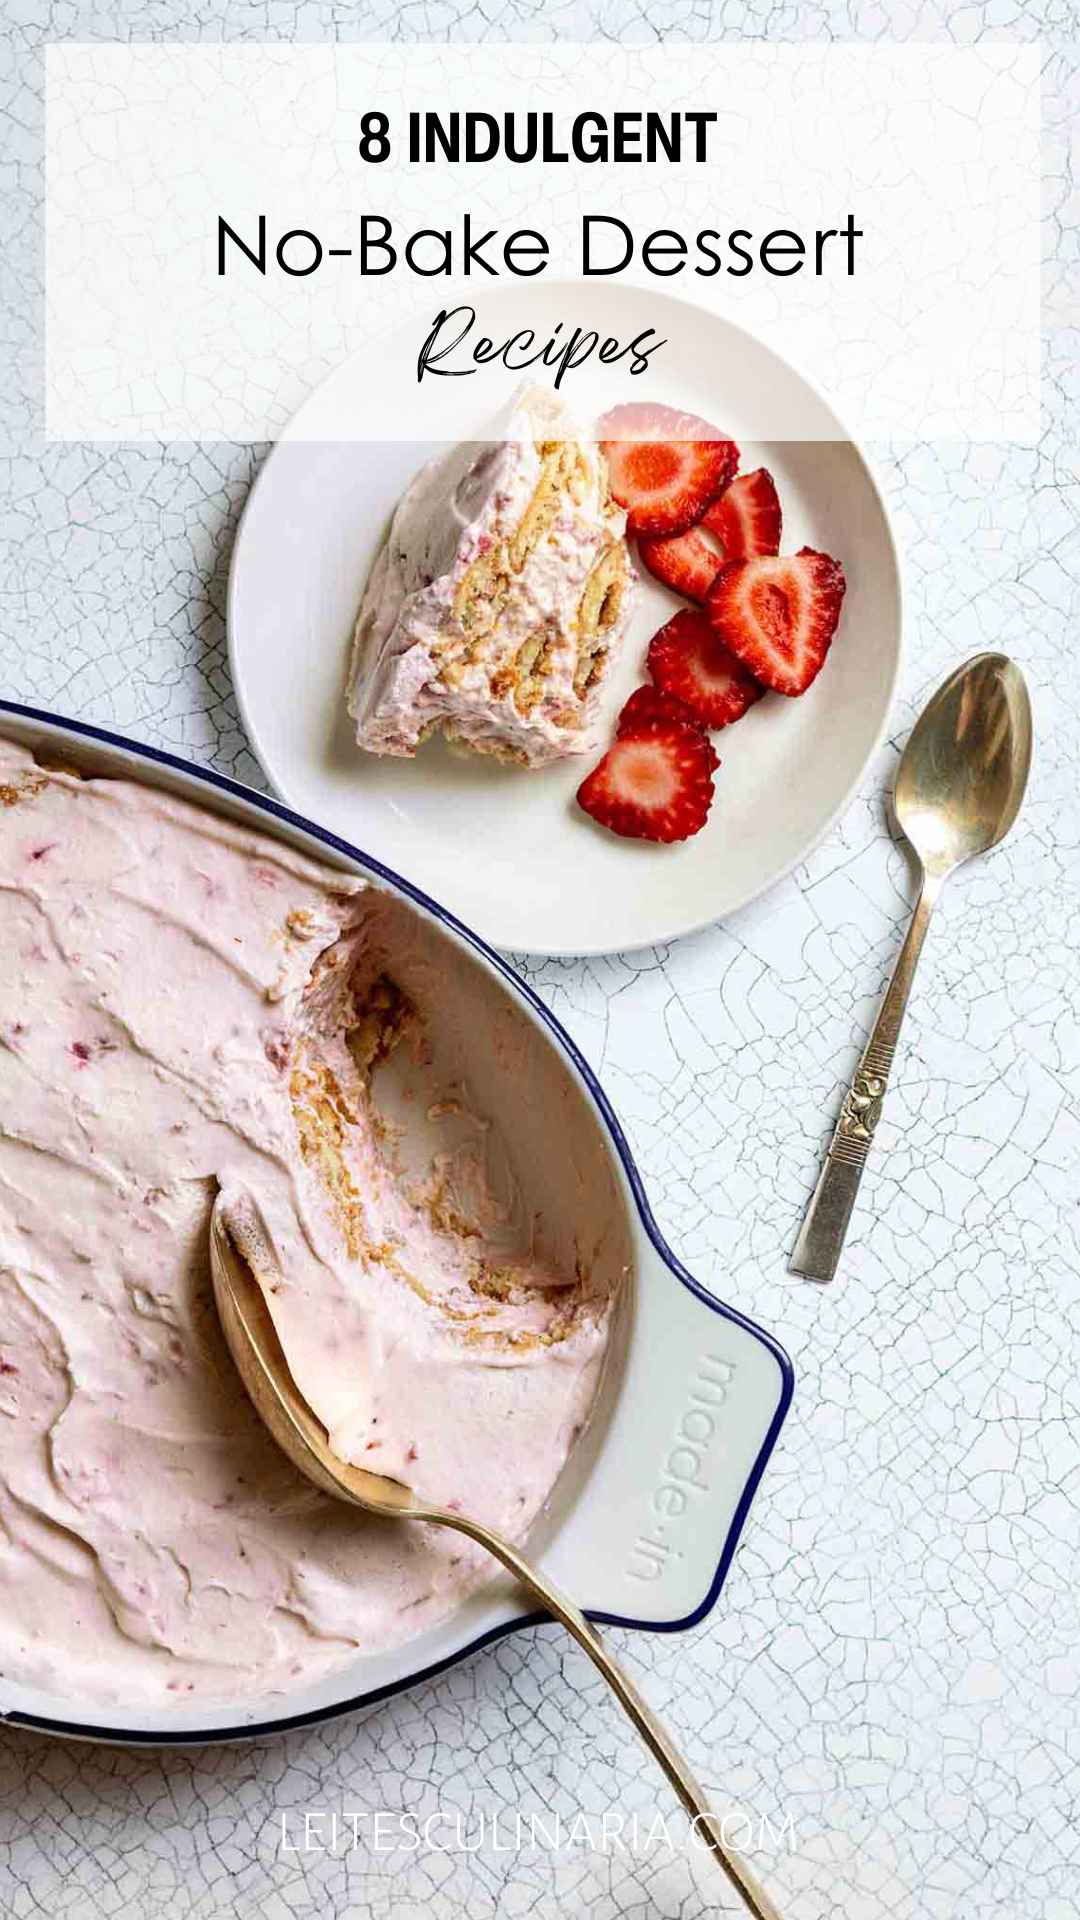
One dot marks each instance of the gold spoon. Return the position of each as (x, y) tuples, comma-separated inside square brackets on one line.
[(958, 790), (242, 1263)]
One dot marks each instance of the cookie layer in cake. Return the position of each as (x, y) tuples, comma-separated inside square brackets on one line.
[(499, 599), (186, 1005)]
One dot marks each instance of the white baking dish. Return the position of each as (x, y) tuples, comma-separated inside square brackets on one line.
[(643, 1523)]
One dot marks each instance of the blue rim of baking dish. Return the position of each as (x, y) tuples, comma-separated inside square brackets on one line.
[(288, 1723)]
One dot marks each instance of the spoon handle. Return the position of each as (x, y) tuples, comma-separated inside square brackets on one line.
[(825, 1222), (637, 1709)]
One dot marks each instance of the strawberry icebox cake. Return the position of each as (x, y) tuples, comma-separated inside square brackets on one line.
[(503, 594), (187, 1006), (499, 599)]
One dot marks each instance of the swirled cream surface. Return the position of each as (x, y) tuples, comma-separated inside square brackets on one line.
[(185, 1006)]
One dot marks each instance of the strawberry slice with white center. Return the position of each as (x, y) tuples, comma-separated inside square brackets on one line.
[(689, 661), (652, 786), (649, 711), (746, 519), (664, 467), (686, 563), (778, 614), (742, 523)]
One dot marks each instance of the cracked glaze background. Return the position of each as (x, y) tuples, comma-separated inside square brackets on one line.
[(891, 1673)]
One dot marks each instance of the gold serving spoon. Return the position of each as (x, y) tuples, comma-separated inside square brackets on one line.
[(238, 1256), (958, 790)]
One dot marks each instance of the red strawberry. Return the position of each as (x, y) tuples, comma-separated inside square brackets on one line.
[(688, 659), (649, 711), (779, 614), (664, 467), (746, 520), (654, 786), (685, 562)]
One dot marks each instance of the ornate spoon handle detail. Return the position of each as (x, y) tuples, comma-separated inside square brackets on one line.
[(825, 1223)]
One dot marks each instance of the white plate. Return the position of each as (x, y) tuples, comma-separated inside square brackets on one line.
[(643, 1522), (508, 850)]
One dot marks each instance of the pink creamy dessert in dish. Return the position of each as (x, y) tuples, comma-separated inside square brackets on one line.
[(188, 1006), (499, 599)]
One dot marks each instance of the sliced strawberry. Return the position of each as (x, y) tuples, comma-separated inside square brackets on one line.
[(664, 467), (685, 562), (654, 786), (746, 520), (688, 659), (743, 522), (649, 711), (648, 708), (778, 614)]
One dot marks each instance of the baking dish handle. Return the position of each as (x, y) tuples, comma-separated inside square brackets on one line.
[(694, 1418)]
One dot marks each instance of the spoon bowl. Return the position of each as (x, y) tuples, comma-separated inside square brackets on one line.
[(963, 772), (242, 1265)]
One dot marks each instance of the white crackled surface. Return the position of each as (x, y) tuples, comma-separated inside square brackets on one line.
[(893, 1662)]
